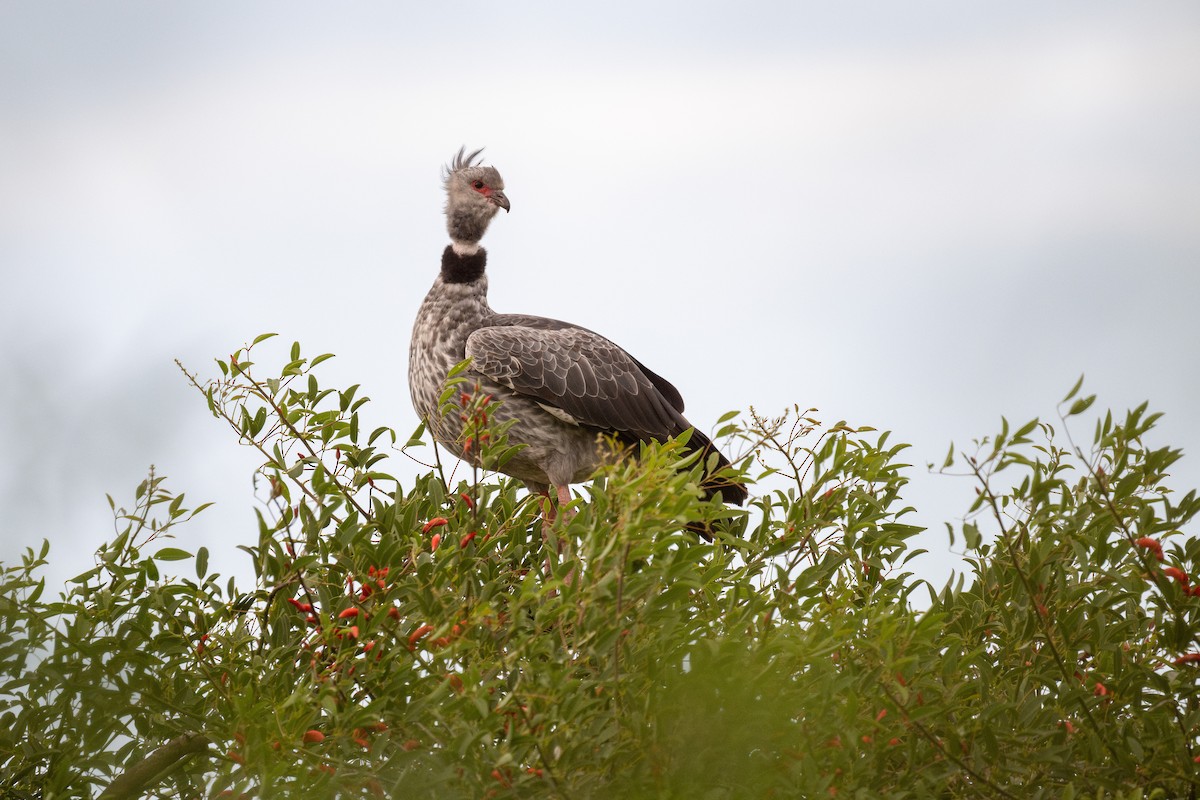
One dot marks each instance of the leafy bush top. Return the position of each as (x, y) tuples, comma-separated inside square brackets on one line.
[(407, 641)]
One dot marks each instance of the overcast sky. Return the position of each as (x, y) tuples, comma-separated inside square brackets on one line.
[(916, 216)]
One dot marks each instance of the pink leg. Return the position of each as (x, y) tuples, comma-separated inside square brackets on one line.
[(564, 496), (549, 515)]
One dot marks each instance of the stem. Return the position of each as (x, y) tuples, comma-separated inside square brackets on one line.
[(155, 766), (229, 420), (1042, 621), (296, 435), (941, 748)]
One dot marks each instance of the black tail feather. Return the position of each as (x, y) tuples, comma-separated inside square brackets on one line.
[(716, 481)]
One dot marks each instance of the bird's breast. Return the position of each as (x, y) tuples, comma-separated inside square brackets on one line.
[(448, 315)]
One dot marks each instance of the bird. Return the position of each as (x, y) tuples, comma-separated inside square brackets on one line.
[(571, 394)]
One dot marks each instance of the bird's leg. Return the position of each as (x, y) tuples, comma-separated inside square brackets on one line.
[(550, 512), (564, 498), (549, 516)]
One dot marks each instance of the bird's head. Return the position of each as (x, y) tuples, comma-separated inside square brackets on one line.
[(474, 193)]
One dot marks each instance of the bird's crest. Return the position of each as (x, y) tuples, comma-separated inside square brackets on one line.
[(462, 160)]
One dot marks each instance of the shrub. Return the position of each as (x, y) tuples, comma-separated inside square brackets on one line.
[(434, 640)]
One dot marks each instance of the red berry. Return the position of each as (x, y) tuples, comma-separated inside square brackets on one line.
[(1177, 574), (419, 634), (436, 522), (1152, 545)]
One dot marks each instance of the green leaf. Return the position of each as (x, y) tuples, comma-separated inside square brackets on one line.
[(417, 438), (1081, 405), (375, 434), (171, 554), (262, 337), (972, 535), (201, 562), (1026, 429), (1074, 389)]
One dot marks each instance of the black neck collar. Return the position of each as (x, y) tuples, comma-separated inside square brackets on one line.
[(463, 269)]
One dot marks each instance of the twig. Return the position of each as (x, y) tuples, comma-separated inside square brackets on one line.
[(155, 766), (1043, 622), (941, 748)]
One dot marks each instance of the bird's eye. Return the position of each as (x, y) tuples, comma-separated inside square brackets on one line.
[(478, 184)]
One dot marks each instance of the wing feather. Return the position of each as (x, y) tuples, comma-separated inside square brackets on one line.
[(669, 393), (579, 372), (584, 379)]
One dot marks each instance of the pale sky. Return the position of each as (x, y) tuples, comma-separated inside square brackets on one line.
[(915, 216)]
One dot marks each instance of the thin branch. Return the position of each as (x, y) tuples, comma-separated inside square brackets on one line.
[(154, 767), (297, 436), (941, 748), (1042, 621), (257, 446)]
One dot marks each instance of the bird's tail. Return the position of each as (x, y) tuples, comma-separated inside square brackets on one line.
[(717, 480)]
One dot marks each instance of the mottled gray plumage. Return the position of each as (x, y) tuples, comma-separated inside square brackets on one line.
[(562, 384)]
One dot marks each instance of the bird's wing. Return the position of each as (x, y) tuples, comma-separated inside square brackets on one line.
[(665, 388), (576, 374)]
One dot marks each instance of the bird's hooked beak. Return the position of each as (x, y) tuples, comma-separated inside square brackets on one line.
[(500, 199)]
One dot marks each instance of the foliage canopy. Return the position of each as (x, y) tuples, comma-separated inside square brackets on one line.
[(407, 641)]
